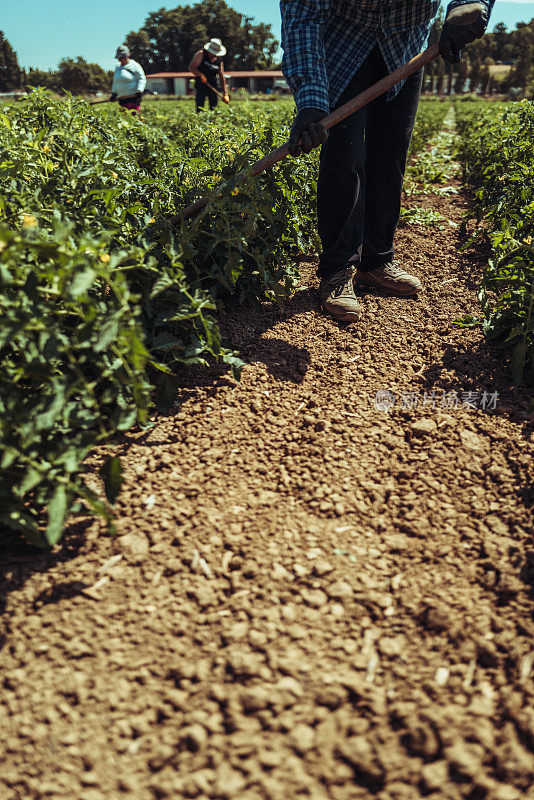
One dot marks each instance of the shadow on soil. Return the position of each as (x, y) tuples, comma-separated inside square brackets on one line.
[(477, 369), (527, 571), (19, 562), (480, 369), (483, 368), (243, 331)]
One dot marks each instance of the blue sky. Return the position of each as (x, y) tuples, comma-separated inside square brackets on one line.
[(43, 32)]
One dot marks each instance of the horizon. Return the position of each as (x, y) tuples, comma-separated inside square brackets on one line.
[(82, 26)]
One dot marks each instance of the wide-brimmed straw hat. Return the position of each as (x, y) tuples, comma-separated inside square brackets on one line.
[(215, 47)]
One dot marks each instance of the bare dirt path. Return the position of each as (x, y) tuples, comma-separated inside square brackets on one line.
[(314, 595)]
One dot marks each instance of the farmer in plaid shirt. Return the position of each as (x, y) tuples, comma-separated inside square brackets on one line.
[(334, 49)]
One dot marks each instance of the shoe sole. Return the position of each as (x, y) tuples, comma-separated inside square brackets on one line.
[(349, 316), (387, 290)]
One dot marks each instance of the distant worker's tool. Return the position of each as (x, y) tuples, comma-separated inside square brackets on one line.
[(112, 99), (327, 122), (223, 97), (104, 100)]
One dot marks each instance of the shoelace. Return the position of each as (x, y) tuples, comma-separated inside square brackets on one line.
[(394, 270), (340, 282)]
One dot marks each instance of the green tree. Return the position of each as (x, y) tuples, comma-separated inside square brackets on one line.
[(500, 37), (428, 77), (170, 37), (461, 75), (10, 72), (448, 70), (523, 68), (486, 76), (79, 76), (440, 76), (474, 74), (47, 79), (502, 44)]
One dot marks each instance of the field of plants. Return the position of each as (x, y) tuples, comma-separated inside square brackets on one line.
[(102, 299), (321, 580), (498, 157)]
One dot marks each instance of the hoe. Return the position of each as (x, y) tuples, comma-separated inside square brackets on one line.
[(217, 92), (109, 100), (329, 121), (106, 100)]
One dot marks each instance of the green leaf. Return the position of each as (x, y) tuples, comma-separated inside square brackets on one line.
[(128, 420), (57, 511), (82, 282), (56, 403), (111, 474), (31, 479), (107, 335)]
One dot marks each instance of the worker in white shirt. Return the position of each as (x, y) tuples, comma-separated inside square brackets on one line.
[(129, 81)]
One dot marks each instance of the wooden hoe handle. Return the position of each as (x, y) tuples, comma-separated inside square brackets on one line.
[(327, 122), (109, 100), (217, 92)]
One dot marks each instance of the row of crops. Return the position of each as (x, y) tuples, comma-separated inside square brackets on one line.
[(103, 300), (496, 148)]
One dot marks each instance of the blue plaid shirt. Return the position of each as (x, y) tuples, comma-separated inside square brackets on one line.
[(326, 41)]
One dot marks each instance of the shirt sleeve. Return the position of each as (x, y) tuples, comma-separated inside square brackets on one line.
[(114, 85), (303, 63), (141, 78), (488, 5)]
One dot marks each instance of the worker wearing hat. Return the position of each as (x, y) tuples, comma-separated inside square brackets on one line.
[(332, 52), (208, 68), (129, 81)]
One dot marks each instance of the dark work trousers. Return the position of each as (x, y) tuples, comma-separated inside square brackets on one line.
[(201, 93), (361, 172)]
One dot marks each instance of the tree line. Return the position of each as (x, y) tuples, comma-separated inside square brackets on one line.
[(169, 37), (166, 42), (72, 75), (513, 49)]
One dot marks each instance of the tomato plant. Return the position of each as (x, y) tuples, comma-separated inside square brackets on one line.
[(496, 147), (102, 299)]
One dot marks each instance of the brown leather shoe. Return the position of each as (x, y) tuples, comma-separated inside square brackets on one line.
[(337, 296), (390, 278)]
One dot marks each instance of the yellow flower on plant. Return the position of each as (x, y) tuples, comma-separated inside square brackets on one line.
[(28, 221), (104, 257), (46, 148), (114, 176), (528, 240)]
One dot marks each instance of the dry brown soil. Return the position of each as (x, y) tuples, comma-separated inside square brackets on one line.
[(310, 597)]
